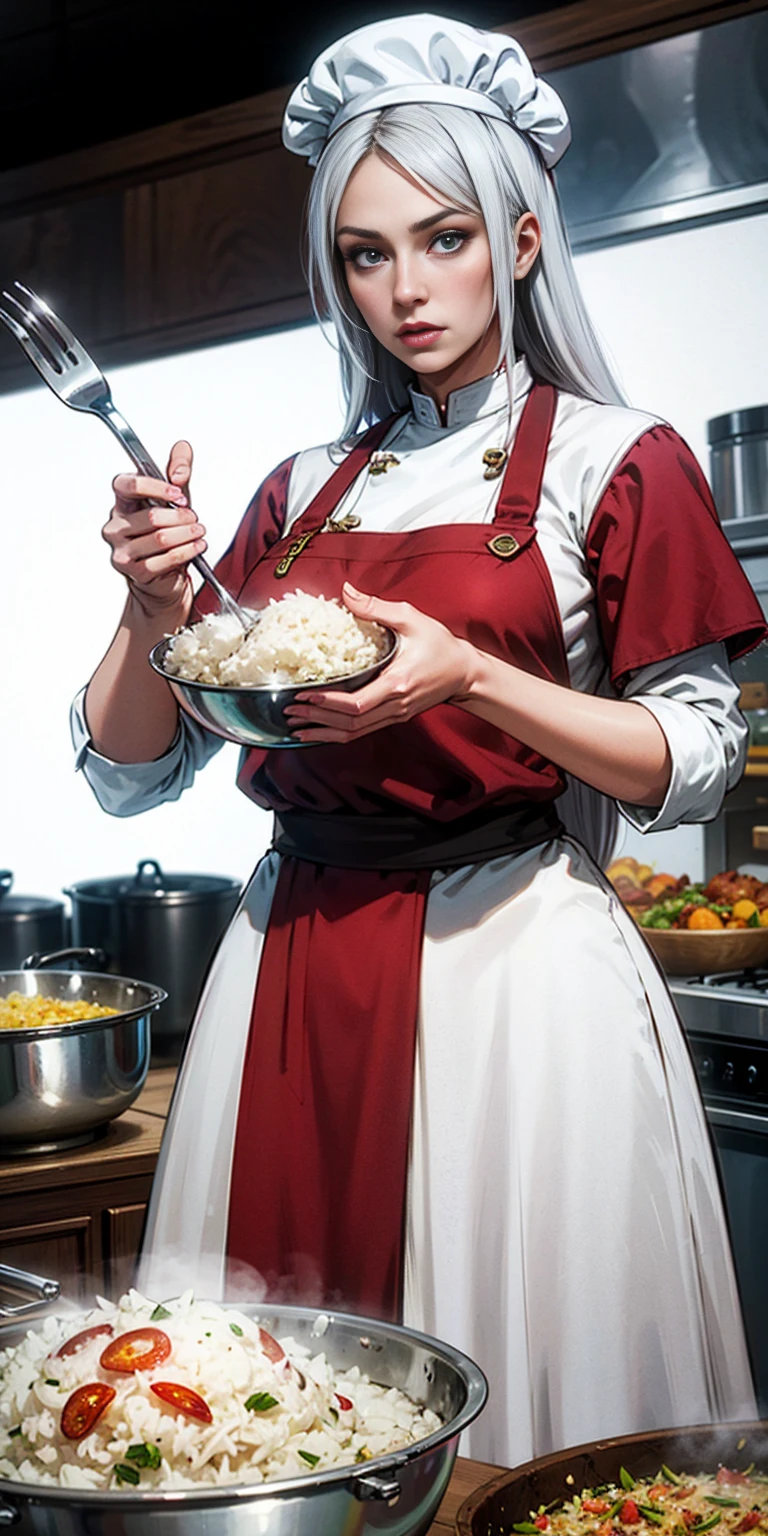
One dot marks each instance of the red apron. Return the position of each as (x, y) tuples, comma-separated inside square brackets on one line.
[(317, 1197)]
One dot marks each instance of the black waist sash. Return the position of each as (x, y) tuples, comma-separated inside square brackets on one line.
[(413, 842)]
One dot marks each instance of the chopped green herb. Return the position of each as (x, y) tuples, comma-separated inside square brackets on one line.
[(51, 1381), (649, 1513), (334, 1415), (207, 1335), (159, 1313), (671, 1477), (363, 1454), (748, 1470), (125, 1474), (261, 1402), (311, 1459), (12, 1433), (144, 1455), (625, 1478), (236, 1329)]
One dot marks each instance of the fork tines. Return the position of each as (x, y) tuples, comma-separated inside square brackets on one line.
[(45, 339)]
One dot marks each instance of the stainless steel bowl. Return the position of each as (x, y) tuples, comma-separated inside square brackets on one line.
[(254, 717), (60, 1083), (398, 1494)]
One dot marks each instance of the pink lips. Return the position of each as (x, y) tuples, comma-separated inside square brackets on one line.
[(424, 337)]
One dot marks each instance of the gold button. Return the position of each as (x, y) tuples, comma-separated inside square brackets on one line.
[(503, 545)]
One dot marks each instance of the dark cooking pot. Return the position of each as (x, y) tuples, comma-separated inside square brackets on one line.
[(28, 924), (508, 1499), (159, 925)]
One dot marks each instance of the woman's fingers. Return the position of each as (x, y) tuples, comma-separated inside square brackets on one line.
[(396, 615), (180, 461), (130, 489)]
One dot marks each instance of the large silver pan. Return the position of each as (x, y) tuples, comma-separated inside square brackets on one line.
[(60, 1084), (397, 1494)]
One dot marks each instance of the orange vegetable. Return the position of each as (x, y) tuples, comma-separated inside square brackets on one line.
[(736, 922), (660, 883), (702, 918)]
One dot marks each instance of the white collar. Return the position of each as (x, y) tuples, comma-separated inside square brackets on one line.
[(483, 397)]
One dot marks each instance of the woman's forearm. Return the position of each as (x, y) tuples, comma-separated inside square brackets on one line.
[(131, 713), (614, 745)]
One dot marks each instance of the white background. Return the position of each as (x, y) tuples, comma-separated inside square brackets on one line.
[(686, 319)]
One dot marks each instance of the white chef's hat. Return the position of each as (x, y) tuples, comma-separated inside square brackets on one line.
[(424, 59)]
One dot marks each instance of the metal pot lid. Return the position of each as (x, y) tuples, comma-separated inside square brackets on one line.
[(13, 907), (737, 424), (152, 884)]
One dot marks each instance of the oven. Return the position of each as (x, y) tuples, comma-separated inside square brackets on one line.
[(726, 1022)]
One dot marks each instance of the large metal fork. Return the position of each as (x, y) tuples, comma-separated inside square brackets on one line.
[(62, 361)]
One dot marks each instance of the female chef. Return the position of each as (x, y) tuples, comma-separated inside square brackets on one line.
[(435, 1071)]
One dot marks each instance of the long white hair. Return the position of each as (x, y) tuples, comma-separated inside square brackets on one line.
[(486, 167)]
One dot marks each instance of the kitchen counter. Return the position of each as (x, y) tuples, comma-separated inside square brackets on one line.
[(467, 1476), (78, 1215)]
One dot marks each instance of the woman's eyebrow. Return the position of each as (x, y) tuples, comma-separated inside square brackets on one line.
[(413, 229)]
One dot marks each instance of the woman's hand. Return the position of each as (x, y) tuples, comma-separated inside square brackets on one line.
[(152, 545), (432, 667)]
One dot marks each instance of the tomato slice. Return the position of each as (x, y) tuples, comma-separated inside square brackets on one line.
[(82, 1410), (270, 1346), (78, 1341), (138, 1350), (184, 1398)]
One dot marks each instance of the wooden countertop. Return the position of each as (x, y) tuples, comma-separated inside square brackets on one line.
[(130, 1144), (467, 1476)]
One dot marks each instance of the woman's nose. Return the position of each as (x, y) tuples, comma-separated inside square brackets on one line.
[(410, 285)]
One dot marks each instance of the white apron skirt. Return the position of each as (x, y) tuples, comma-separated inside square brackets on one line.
[(564, 1226)]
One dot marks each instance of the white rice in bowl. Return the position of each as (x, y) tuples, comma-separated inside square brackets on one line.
[(269, 1417), (298, 639)]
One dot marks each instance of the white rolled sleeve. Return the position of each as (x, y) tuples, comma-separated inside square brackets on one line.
[(126, 789), (695, 700)]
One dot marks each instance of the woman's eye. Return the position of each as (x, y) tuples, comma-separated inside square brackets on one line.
[(365, 258), (449, 241)]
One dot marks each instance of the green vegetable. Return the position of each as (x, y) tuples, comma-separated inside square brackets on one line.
[(625, 1478), (716, 1498), (157, 1316), (12, 1433), (261, 1402), (649, 1513), (334, 1415), (754, 920), (671, 1477), (312, 1461), (706, 1525), (51, 1381), (125, 1474), (144, 1455), (236, 1329), (614, 1509), (661, 922), (526, 1528)]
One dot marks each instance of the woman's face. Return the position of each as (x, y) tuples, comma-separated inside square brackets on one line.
[(420, 274), (418, 270)]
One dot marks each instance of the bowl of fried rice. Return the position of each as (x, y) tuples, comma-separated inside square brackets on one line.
[(190, 1416), (239, 685)]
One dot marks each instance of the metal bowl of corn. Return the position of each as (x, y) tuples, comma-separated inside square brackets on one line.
[(74, 1052)]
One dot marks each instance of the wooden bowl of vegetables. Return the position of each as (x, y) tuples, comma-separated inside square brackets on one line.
[(693, 928)]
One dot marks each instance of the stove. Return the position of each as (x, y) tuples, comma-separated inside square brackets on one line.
[(726, 1022)]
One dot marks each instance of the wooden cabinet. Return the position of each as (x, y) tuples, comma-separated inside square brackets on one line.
[(78, 1217)]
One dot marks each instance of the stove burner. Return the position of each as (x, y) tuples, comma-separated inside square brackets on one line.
[(755, 979)]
